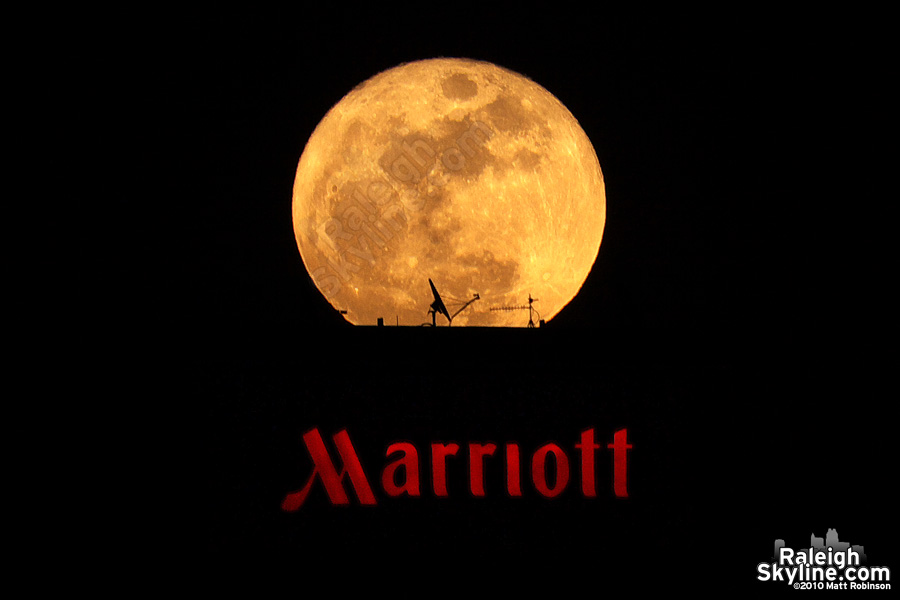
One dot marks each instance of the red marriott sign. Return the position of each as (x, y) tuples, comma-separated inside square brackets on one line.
[(401, 475)]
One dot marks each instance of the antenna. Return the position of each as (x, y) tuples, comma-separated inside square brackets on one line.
[(438, 306), (530, 307)]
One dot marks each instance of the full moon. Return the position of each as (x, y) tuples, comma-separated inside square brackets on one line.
[(456, 171)]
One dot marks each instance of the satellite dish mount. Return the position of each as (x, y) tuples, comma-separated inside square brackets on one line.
[(438, 306)]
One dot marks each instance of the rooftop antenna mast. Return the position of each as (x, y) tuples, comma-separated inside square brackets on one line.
[(530, 307), (438, 306)]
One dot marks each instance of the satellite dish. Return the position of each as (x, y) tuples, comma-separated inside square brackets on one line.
[(438, 305)]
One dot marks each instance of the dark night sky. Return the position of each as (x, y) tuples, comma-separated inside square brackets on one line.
[(729, 153)]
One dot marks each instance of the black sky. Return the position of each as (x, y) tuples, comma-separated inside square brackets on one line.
[(728, 141)]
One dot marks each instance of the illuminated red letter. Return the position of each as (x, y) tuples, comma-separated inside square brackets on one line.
[(324, 468), (439, 452), (410, 463), (539, 474), (587, 447), (512, 470), (619, 447), (477, 452)]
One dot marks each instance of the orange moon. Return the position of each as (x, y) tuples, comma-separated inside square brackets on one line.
[(453, 170)]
